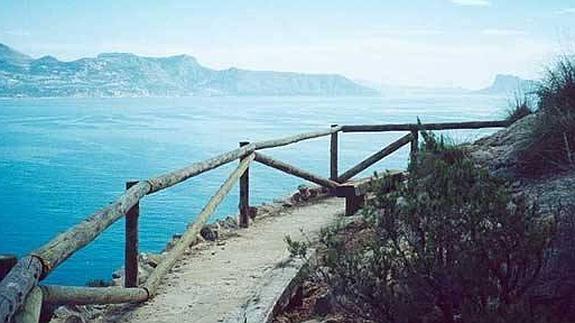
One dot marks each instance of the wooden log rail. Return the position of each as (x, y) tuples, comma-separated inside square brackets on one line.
[(426, 126), (364, 164), (17, 286), (289, 169)]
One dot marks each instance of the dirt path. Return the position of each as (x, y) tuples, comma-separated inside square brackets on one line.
[(210, 284)]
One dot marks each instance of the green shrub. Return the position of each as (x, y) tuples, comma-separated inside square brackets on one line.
[(552, 141), (450, 245), (519, 108)]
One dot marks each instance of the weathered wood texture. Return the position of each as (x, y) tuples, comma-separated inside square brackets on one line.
[(375, 158), (65, 244), (353, 203), (192, 232), (16, 286), (279, 165), (59, 295), (414, 144), (172, 178), (426, 126), (333, 155), (131, 245), (365, 185), (293, 139), (175, 177), (6, 263), (244, 204), (354, 192), (166, 180), (30, 311)]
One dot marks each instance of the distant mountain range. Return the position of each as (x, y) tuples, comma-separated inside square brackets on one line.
[(509, 85), (503, 84), (121, 74)]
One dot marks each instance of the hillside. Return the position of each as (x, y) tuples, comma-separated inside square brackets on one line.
[(123, 74)]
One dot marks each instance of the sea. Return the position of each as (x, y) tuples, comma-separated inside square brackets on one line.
[(61, 159)]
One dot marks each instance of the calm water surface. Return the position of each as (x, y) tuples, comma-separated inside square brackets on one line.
[(62, 159)]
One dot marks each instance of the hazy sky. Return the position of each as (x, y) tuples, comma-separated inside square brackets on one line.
[(411, 42)]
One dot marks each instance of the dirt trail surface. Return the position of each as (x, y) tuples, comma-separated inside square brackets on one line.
[(211, 283)]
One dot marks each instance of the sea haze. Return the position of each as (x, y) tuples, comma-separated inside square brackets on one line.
[(62, 159)]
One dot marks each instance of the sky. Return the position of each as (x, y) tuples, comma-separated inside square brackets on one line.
[(431, 43)]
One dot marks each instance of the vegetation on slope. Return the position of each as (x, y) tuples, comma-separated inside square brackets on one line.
[(552, 141), (451, 244), (520, 107)]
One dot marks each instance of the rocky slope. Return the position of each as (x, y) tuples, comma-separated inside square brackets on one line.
[(121, 74), (498, 152), (555, 195)]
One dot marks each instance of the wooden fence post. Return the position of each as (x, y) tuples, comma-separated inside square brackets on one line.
[(333, 155), (131, 247), (244, 195), (30, 311), (414, 143)]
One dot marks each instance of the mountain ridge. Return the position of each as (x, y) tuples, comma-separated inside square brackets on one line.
[(127, 74)]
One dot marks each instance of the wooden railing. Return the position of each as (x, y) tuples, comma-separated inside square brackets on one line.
[(17, 288)]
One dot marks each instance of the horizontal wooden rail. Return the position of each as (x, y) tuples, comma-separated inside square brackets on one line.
[(170, 179), (375, 158), (293, 139), (60, 295), (425, 126), (279, 165), (192, 232)]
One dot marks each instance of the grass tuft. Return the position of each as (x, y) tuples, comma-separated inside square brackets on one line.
[(552, 142), (520, 107)]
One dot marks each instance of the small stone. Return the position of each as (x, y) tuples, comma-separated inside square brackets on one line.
[(118, 273), (297, 197), (209, 233), (288, 204), (253, 211), (150, 259), (313, 194), (231, 222)]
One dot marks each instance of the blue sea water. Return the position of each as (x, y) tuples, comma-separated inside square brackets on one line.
[(62, 159)]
